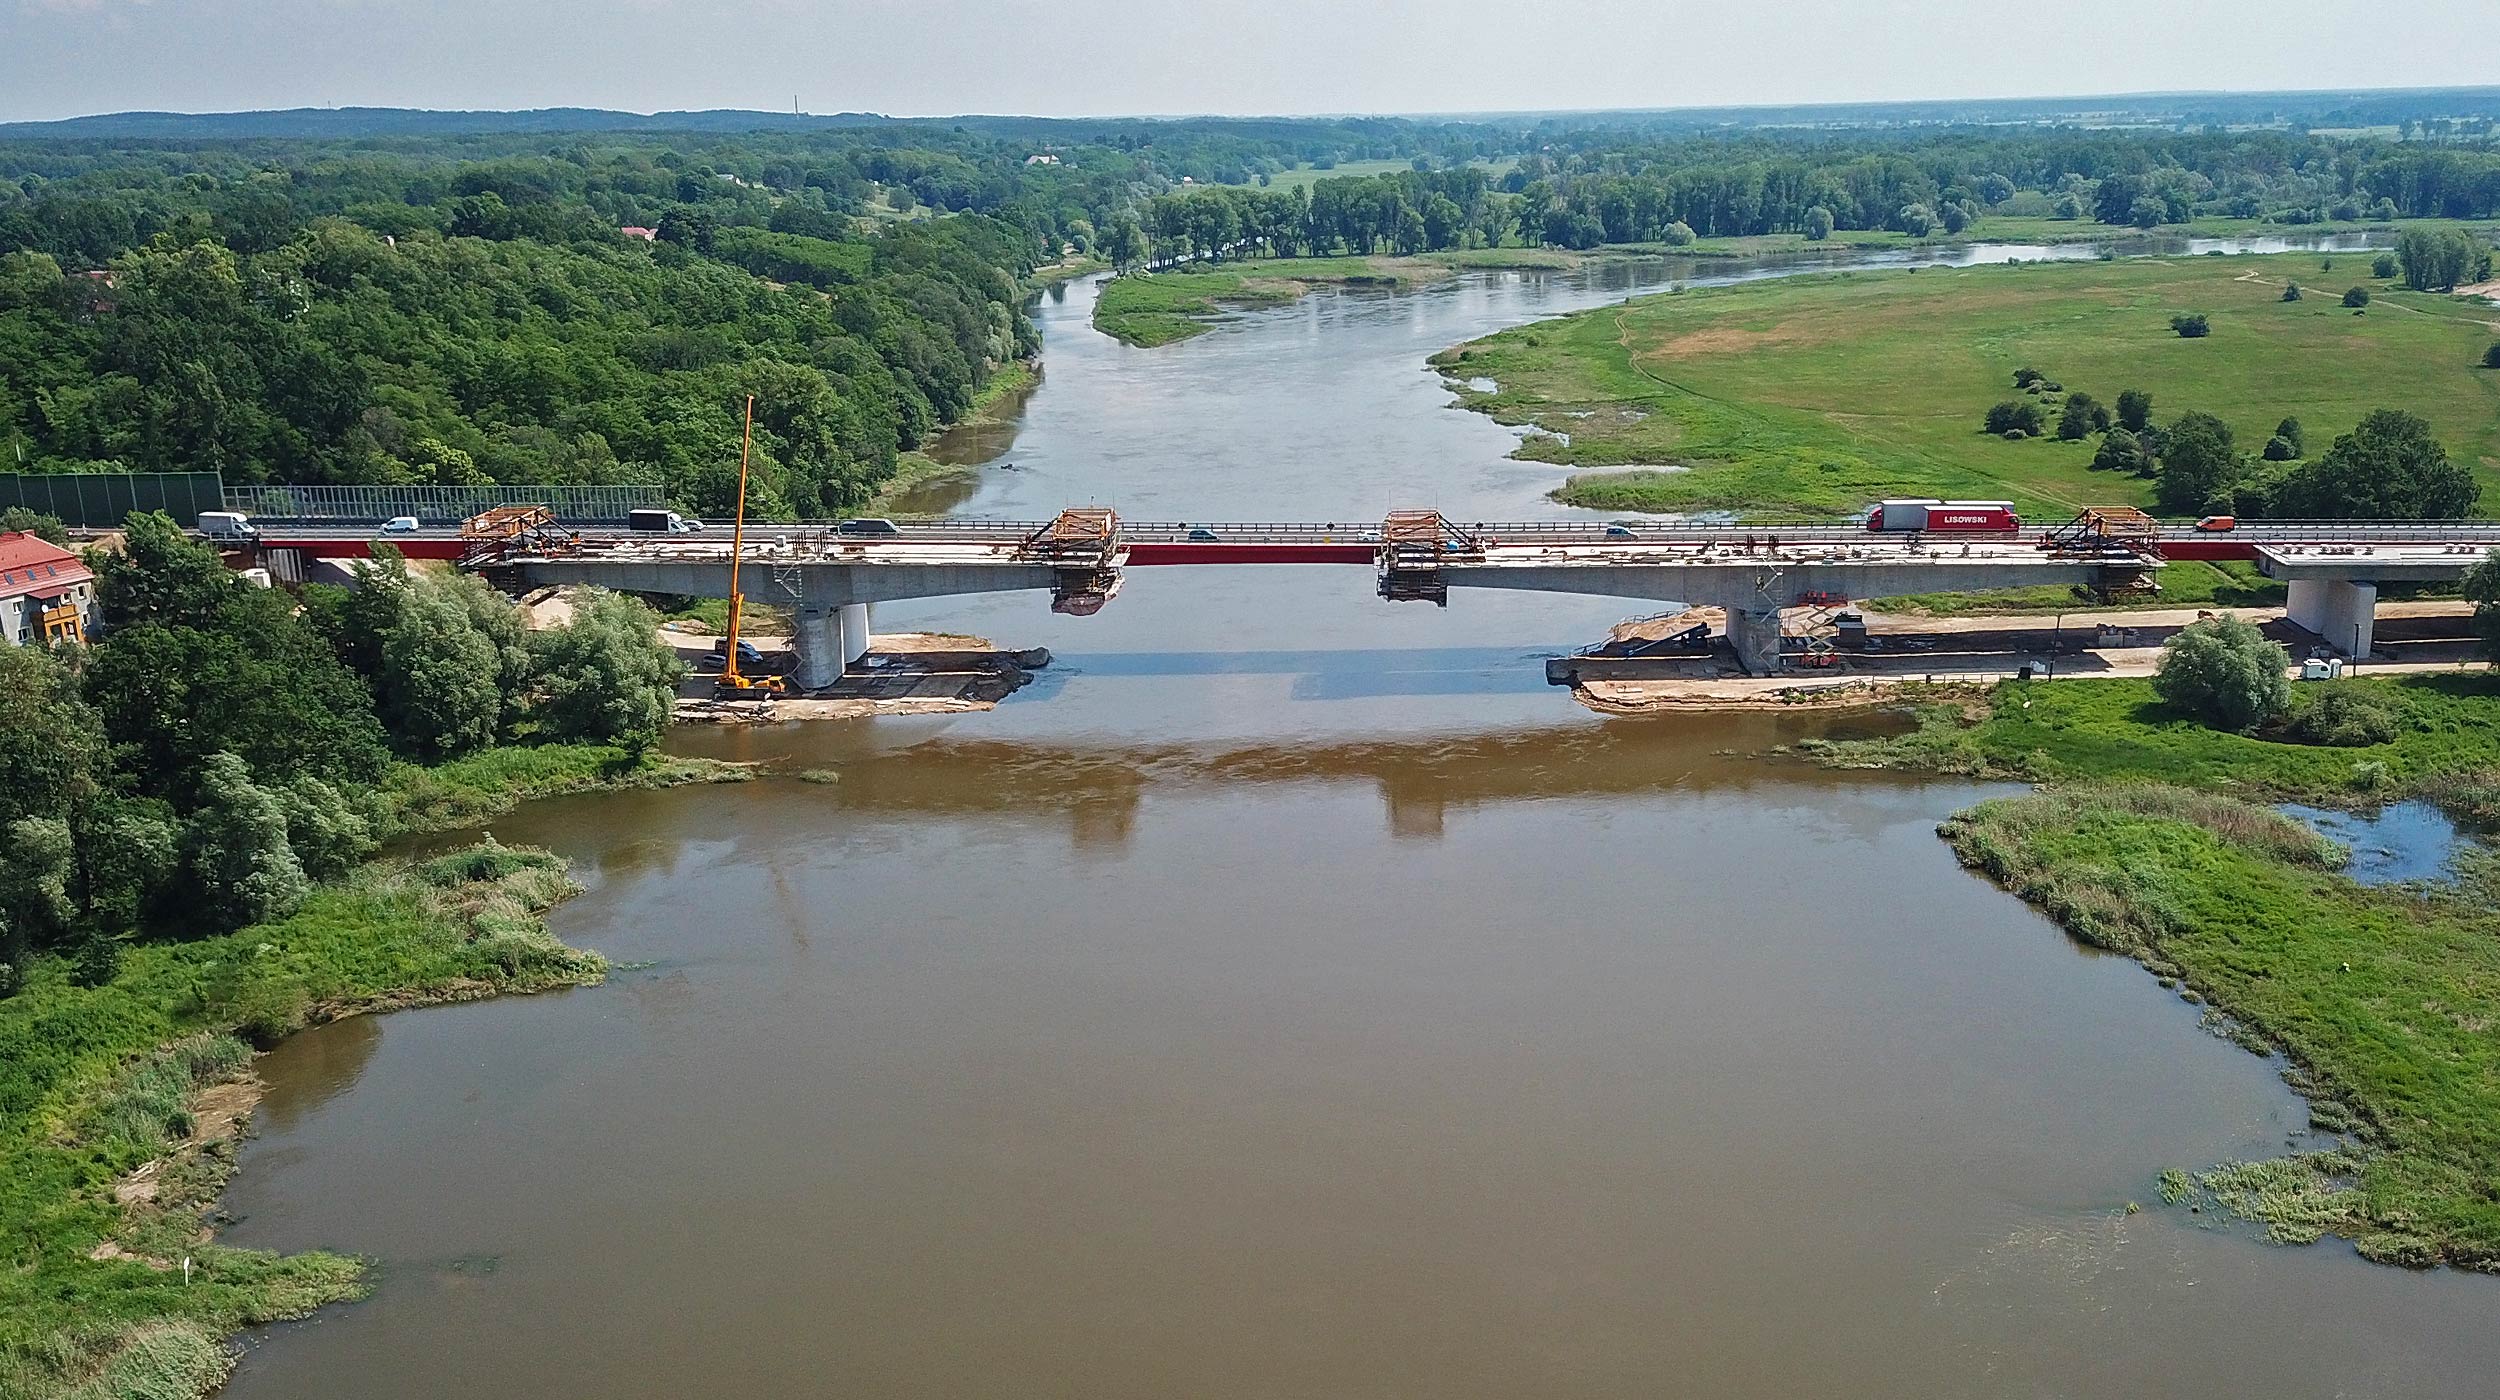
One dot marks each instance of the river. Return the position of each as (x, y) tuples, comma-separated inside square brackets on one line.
[(1290, 995)]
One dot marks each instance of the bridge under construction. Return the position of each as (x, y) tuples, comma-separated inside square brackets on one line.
[(1765, 576)]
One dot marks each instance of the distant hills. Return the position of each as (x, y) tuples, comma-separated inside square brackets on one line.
[(2328, 109)]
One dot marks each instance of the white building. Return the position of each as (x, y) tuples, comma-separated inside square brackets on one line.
[(46, 595)]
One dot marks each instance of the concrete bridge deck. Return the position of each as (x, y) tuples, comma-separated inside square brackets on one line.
[(829, 575)]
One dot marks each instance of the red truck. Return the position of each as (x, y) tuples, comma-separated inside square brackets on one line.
[(1945, 517)]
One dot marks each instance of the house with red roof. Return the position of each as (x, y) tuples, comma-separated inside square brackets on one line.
[(647, 235), (46, 594)]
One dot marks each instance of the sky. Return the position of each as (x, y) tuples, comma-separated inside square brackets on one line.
[(61, 58)]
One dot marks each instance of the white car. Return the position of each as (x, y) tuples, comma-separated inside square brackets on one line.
[(400, 525)]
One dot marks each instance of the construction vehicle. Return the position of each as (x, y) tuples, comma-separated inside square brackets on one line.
[(735, 684)]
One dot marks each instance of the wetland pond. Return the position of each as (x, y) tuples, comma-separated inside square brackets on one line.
[(1290, 995)]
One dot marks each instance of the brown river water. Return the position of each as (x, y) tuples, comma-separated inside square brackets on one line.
[(1290, 996)]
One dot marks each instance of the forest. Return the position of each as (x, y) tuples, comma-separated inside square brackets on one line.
[(466, 298), (1594, 192)]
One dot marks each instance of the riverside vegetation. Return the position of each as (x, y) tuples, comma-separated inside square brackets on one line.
[(2150, 837), (190, 809)]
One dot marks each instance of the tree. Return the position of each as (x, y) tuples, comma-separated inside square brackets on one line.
[(2015, 416), (327, 831), (2439, 261), (235, 846), (436, 689), (48, 528), (2384, 265), (2290, 431), (1818, 223), (605, 675), (2082, 417), (2491, 356), (253, 679), (2191, 325), (2280, 449), (1916, 220), (164, 576), (2148, 212), (2135, 410), (2118, 452), (2199, 466), (1122, 241), (2358, 297), (2225, 672), (35, 905), (2481, 587), (2388, 467)]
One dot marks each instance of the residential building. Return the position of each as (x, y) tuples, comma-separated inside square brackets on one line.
[(46, 595)]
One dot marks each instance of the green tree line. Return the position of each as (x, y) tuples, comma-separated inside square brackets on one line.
[(221, 747)]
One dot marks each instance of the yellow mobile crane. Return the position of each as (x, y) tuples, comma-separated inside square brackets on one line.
[(732, 684)]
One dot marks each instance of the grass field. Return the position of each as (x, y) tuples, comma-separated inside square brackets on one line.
[(2104, 730), (1303, 177), (1819, 394)]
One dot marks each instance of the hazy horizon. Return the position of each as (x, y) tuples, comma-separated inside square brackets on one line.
[(1106, 58)]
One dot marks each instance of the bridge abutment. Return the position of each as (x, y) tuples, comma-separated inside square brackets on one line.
[(2342, 612)]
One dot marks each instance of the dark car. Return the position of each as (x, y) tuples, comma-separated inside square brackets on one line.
[(747, 654)]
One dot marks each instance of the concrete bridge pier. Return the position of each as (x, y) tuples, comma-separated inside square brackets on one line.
[(1753, 633), (855, 621), (2340, 611), (828, 641), (816, 638)]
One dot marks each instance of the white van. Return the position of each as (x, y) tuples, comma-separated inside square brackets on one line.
[(227, 525)]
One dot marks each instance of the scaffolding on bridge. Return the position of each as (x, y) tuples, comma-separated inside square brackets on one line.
[(1082, 547), (1414, 545)]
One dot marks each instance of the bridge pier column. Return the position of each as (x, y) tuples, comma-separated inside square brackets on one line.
[(2342, 612), (1754, 635), (816, 636), (855, 622)]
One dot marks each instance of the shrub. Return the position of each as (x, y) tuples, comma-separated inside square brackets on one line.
[(2118, 452), (2015, 416), (2357, 297), (2491, 357), (2135, 410), (2291, 291), (2025, 377), (2384, 265), (2337, 717), (2279, 449), (2083, 417), (2191, 325), (2225, 672)]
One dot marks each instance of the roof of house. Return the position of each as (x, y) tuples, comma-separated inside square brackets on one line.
[(32, 565)]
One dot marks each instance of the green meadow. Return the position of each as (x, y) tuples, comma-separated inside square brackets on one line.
[(1817, 395)]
